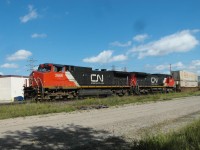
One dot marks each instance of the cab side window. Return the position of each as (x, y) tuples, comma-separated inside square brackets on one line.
[(55, 69), (59, 69), (70, 68)]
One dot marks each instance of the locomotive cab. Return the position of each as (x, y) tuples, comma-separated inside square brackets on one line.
[(49, 79), (44, 68), (51, 76), (50, 68)]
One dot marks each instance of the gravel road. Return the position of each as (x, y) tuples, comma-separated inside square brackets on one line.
[(97, 129)]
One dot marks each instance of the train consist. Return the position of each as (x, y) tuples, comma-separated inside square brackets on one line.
[(55, 81)]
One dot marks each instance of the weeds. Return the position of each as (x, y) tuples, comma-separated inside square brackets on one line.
[(187, 138)]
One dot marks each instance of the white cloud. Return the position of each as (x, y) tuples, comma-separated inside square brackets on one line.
[(175, 66), (105, 56), (7, 65), (19, 55), (179, 42), (178, 66), (161, 67), (196, 63), (119, 44), (32, 14), (140, 37), (193, 66), (36, 35), (1, 73), (118, 58)]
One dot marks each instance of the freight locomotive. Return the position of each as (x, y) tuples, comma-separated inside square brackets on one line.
[(56, 81)]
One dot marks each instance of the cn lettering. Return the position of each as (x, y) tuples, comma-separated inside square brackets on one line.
[(96, 78), (154, 80)]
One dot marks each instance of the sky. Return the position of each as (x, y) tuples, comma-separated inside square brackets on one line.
[(133, 35)]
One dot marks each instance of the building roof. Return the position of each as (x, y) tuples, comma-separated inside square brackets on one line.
[(17, 76)]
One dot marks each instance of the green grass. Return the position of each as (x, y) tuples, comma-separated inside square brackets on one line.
[(29, 109), (187, 138)]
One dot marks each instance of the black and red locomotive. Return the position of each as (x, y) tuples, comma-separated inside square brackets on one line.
[(55, 81)]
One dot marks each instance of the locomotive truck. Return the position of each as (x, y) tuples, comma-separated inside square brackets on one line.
[(55, 81)]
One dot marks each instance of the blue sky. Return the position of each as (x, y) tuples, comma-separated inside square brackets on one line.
[(141, 35)]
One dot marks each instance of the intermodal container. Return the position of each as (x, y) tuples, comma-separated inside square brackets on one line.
[(184, 76), (187, 83)]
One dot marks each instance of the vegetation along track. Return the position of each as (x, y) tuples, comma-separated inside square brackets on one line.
[(31, 108)]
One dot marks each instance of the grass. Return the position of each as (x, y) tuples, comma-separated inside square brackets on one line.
[(187, 138), (29, 109)]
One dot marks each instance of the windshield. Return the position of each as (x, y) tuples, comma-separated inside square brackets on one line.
[(44, 69), (59, 68)]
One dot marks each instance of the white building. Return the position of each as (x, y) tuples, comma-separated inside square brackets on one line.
[(11, 87)]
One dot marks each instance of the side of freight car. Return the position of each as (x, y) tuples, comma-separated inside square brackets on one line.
[(185, 79)]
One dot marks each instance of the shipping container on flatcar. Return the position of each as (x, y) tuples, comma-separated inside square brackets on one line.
[(187, 83), (199, 81), (185, 79), (184, 76)]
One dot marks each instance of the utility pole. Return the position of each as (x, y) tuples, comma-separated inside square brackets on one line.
[(31, 64), (125, 69), (113, 68)]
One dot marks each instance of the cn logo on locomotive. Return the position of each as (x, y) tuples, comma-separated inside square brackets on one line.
[(154, 80), (96, 79)]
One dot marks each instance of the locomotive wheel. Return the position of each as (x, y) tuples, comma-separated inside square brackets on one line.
[(52, 98)]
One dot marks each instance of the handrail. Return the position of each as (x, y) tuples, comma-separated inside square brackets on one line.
[(41, 85), (36, 82)]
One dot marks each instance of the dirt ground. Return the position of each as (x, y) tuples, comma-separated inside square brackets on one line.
[(109, 128)]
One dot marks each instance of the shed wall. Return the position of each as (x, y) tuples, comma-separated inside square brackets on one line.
[(17, 84), (11, 87), (5, 90)]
